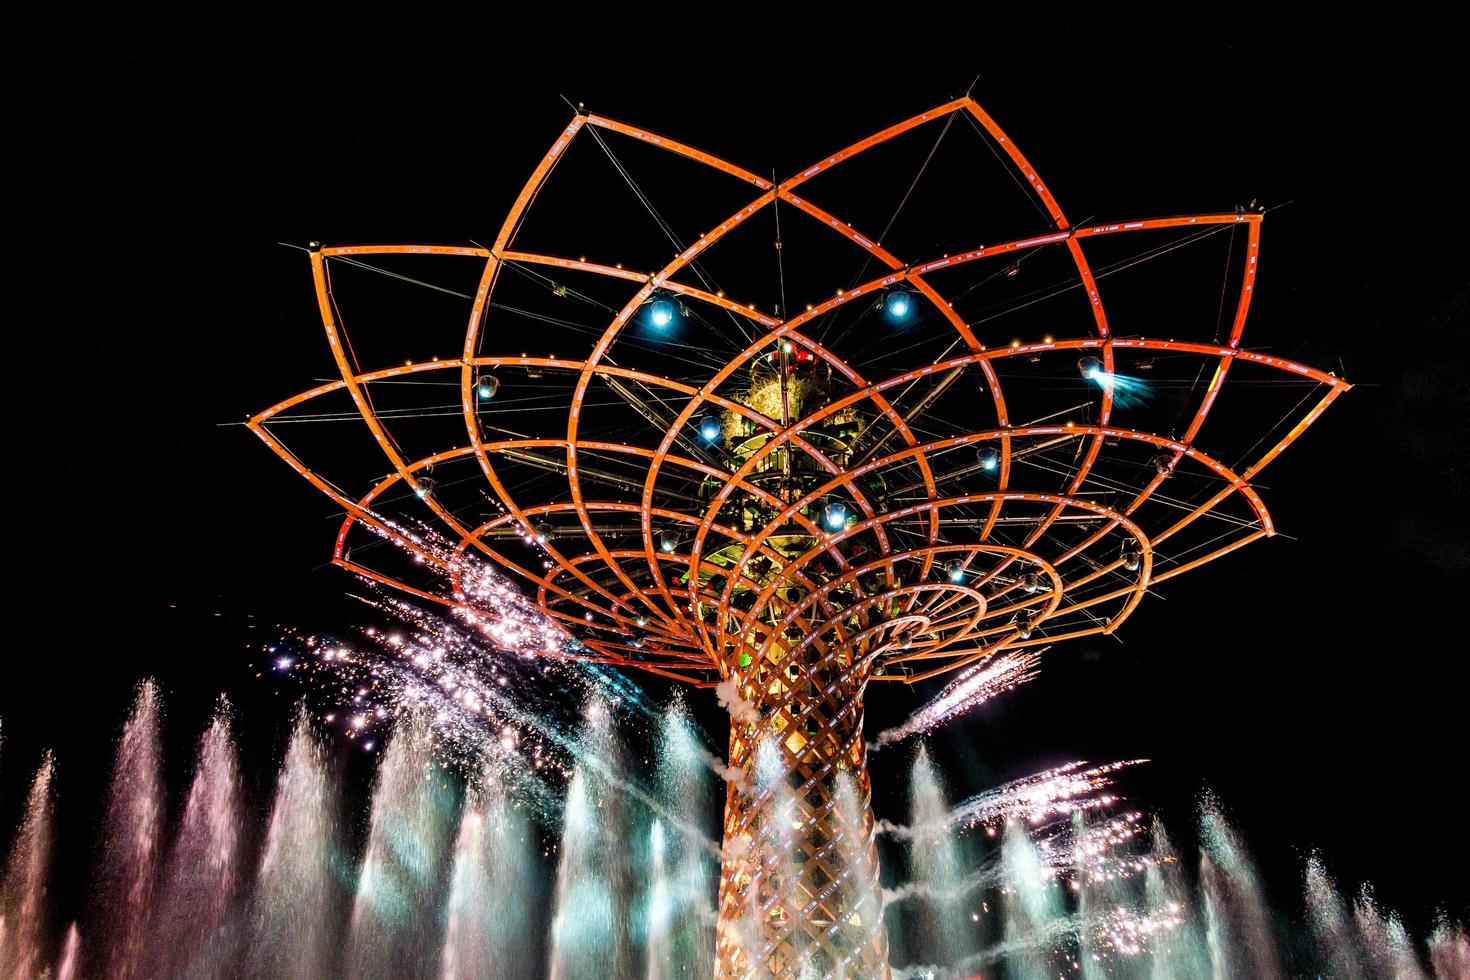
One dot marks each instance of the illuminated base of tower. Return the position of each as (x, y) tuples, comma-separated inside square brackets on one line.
[(799, 892)]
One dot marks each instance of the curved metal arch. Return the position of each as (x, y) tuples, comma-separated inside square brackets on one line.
[(852, 575), (1137, 532), (1234, 482), (807, 341), (675, 516), (1337, 387), (406, 468), (1252, 221), (403, 470), (353, 380), (684, 258), (945, 308)]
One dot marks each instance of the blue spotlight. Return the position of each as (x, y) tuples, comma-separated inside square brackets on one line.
[(954, 569), (487, 386), (709, 428), (834, 515), (989, 458), (1127, 391), (661, 312), (898, 304)]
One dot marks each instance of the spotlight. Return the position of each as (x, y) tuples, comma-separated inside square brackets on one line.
[(710, 429), (1131, 558), (1163, 464), (661, 312), (544, 532), (1091, 368), (989, 458), (641, 622), (834, 515), (667, 541), (1023, 628), (487, 386), (636, 641), (954, 570), (1031, 582), (424, 488), (897, 304)]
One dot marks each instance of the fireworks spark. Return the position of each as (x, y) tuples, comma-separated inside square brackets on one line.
[(971, 689), (491, 678), (1123, 931), (1033, 800), (1098, 853), (1057, 792)]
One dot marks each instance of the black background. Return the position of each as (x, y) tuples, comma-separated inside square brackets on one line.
[(1317, 683)]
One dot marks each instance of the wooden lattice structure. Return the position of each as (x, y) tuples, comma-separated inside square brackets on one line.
[(838, 529)]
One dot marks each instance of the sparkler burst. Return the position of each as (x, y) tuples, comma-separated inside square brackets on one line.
[(1125, 931), (1099, 852), (1035, 799), (966, 692), (1057, 792), (493, 680)]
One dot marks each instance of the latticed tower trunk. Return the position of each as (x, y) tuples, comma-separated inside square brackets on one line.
[(799, 893)]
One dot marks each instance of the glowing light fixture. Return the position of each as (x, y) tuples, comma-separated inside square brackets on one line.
[(898, 304), (667, 541), (487, 386), (1131, 558), (709, 428), (989, 458), (954, 570), (834, 515), (661, 312)]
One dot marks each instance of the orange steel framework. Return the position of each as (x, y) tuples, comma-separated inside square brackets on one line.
[(791, 618)]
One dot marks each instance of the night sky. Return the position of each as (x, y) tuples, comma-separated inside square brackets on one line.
[(1315, 681)]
